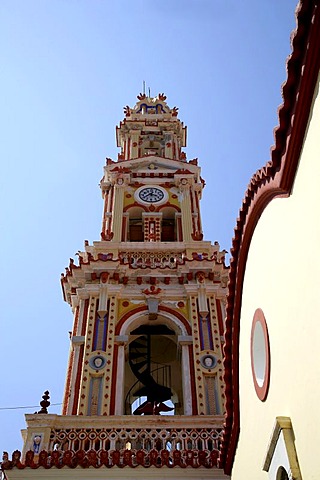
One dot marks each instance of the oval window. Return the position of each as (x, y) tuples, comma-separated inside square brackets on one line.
[(260, 354)]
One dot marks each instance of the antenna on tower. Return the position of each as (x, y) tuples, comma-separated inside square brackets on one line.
[(144, 87), (149, 92)]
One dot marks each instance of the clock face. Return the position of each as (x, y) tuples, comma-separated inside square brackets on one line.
[(151, 195)]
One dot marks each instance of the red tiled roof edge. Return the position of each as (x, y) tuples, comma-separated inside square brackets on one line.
[(274, 179), (111, 459)]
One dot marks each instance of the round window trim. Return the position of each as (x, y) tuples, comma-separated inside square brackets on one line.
[(260, 354), (159, 202), (97, 362), (208, 361)]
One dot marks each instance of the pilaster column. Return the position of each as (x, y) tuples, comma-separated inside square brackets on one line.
[(186, 210), (134, 147), (218, 340), (85, 377), (192, 291), (103, 299), (121, 341), (38, 438), (179, 227), (168, 150), (76, 358), (106, 204), (184, 341), (125, 227), (109, 386), (119, 189), (197, 188)]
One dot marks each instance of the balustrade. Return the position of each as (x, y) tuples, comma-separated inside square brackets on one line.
[(152, 259)]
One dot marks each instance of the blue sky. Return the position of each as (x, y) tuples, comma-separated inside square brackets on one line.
[(67, 69)]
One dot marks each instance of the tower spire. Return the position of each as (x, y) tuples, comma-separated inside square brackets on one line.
[(148, 301)]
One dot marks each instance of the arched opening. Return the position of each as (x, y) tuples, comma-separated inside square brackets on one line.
[(282, 474), (135, 230), (141, 400), (151, 147), (153, 380), (168, 225)]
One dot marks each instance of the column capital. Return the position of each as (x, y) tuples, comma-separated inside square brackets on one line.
[(185, 339), (121, 340), (191, 290), (114, 290)]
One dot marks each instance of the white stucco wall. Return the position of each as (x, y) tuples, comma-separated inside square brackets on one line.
[(283, 278)]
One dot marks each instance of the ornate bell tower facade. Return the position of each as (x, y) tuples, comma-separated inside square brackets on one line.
[(148, 301)]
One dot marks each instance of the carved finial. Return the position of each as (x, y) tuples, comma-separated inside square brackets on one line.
[(175, 111), (162, 97), (141, 96), (197, 236), (44, 403), (107, 235), (5, 457)]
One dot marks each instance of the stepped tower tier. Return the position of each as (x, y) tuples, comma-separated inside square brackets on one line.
[(148, 301), (149, 296), (152, 193)]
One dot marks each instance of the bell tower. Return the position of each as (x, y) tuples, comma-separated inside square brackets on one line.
[(148, 297), (144, 384)]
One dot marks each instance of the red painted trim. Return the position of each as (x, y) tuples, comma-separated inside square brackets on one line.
[(85, 317), (77, 382), (261, 391), (112, 459), (193, 382), (67, 389), (166, 205), (275, 179), (154, 175), (198, 210), (96, 326), (78, 367), (106, 194), (114, 375), (192, 211), (76, 322), (179, 224), (123, 233), (146, 208), (128, 149), (128, 315), (200, 329), (136, 204), (111, 209), (177, 315), (124, 151), (220, 319), (144, 308)]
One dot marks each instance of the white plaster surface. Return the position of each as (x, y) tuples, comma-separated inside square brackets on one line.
[(283, 278), (140, 473)]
